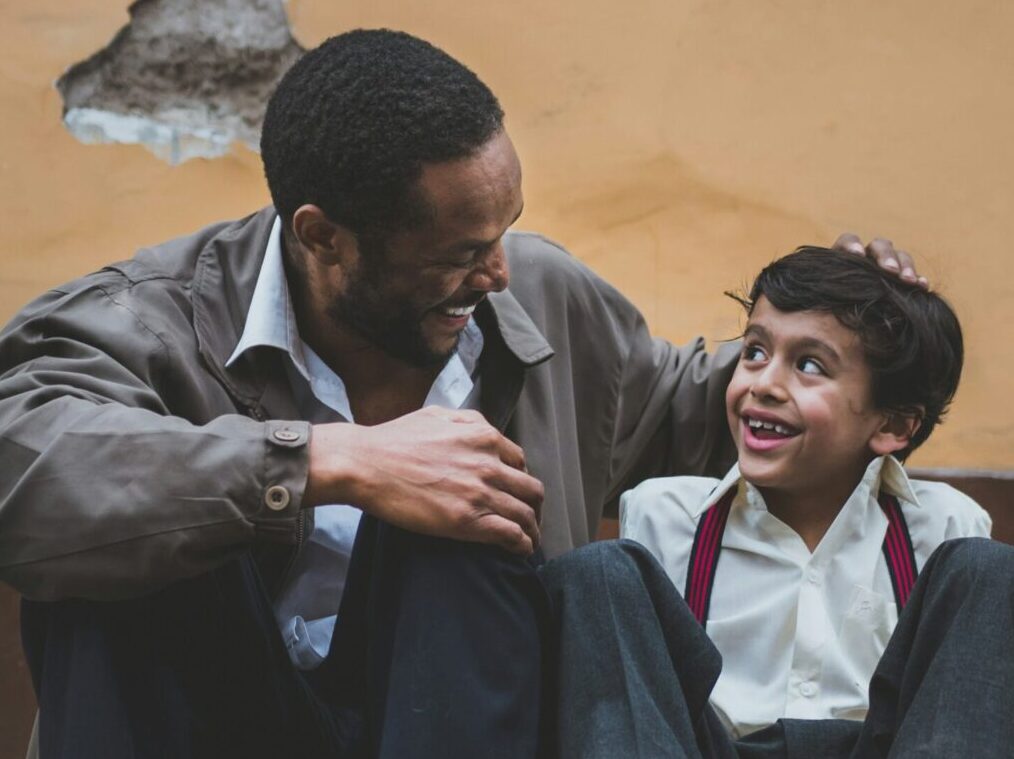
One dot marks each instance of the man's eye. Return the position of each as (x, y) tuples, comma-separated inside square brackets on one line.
[(465, 261), (753, 353), (461, 263), (810, 366)]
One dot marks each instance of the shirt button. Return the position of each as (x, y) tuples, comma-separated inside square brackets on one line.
[(276, 497), (286, 436), (808, 690), (813, 576)]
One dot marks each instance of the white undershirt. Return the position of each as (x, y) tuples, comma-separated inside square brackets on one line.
[(800, 634), (307, 607)]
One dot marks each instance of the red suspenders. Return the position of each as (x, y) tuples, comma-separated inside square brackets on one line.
[(708, 544), (898, 550)]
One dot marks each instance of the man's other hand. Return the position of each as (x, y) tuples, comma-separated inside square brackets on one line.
[(898, 262), (434, 471)]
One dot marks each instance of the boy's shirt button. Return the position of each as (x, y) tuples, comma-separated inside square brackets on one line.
[(809, 690)]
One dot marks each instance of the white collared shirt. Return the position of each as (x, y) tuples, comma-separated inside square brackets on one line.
[(307, 607), (800, 633)]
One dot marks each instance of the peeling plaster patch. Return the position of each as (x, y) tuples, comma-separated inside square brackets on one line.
[(185, 78), (173, 144)]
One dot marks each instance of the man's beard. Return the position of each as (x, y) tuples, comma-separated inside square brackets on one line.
[(395, 328)]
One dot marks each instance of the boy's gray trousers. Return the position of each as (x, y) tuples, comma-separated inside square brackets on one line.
[(637, 669)]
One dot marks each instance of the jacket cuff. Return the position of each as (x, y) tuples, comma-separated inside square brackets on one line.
[(286, 467)]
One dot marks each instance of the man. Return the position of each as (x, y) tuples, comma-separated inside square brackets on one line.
[(171, 426)]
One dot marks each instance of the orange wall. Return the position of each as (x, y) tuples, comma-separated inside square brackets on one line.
[(674, 146)]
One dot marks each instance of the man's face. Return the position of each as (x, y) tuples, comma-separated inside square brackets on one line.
[(414, 296), (800, 404)]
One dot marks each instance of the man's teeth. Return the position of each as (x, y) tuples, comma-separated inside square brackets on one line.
[(463, 311), (781, 429)]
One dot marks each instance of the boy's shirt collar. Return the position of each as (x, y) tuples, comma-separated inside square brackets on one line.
[(884, 472)]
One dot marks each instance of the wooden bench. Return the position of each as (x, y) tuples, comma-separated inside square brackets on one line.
[(994, 490)]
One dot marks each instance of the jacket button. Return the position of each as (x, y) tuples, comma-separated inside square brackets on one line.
[(286, 436), (276, 497)]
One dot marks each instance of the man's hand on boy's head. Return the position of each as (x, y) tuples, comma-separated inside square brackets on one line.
[(884, 253)]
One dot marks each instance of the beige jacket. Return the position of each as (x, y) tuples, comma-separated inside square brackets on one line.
[(130, 457)]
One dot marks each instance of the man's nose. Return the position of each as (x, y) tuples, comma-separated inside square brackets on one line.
[(491, 271)]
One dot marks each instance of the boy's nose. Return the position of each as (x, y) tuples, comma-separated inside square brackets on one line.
[(769, 383)]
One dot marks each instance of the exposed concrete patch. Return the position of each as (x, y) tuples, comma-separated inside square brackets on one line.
[(185, 78)]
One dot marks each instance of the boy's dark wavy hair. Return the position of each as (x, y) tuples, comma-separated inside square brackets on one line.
[(911, 337)]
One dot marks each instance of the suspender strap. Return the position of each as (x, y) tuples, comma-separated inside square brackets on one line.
[(898, 550), (704, 557), (708, 544)]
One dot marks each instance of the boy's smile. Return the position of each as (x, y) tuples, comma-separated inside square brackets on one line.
[(800, 405), (763, 431)]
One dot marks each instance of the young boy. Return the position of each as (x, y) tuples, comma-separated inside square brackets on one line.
[(800, 559)]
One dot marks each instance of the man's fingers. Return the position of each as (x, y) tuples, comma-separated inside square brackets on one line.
[(519, 513), (461, 416), (896, 261), (907, 266), (520, 485), (510, 453), (493, 529), (882, 251), (850, 243)]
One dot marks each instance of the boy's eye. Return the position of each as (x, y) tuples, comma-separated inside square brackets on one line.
[(810, 366), (753, 353)]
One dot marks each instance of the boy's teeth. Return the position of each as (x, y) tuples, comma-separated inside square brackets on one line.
[(757, 424)]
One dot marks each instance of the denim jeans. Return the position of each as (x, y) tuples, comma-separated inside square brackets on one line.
[(437, 653)]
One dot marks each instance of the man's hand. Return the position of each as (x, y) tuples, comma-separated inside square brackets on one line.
[(897, 262), (434, 471)]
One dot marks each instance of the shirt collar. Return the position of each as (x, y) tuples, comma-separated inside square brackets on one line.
[(271, 321), (884, 472)]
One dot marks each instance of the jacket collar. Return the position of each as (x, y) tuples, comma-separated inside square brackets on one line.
[(224, 281), (517, 330)]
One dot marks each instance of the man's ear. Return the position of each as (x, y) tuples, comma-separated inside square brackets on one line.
[(328, 242), (896, 432)]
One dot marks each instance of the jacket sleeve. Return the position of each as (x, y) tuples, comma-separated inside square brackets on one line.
[(104, 494), (670, 408)]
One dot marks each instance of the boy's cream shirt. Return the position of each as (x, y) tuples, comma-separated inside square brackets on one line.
[(800, 634)]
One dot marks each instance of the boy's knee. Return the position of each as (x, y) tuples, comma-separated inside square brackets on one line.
[(616, 563), (975, 558)]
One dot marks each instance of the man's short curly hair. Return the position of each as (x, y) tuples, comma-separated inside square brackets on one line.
[(910, 337), (351, 124)]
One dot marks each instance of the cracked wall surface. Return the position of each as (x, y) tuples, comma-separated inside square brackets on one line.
[(185, 78)]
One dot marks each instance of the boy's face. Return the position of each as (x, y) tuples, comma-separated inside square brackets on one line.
[(800, 404)]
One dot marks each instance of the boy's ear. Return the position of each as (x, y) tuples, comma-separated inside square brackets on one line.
[(896, 432)]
